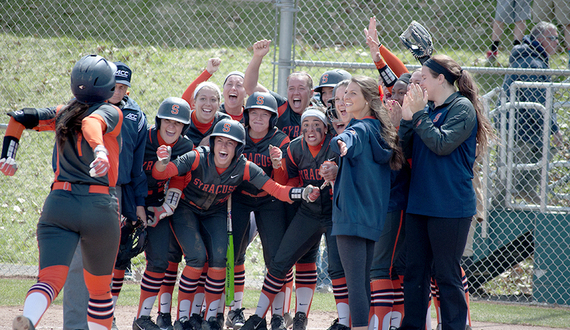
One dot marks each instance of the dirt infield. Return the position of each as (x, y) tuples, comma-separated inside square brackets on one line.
[(125, 314)]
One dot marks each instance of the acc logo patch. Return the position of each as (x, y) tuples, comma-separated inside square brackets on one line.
[(131, 116), (437, 117)]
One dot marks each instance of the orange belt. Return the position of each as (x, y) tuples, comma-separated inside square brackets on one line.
[(93, 189)]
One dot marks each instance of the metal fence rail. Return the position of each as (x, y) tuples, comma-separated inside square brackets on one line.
[(167, 44)]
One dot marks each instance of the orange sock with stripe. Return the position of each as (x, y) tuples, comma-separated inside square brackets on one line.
[(239, 286), (340, 291), (150, 286), (215, 284), (167, 288), (398, 307), (117, 283), (100, 307), (382, 300), (305, 285), (466, 288), (271, 287), (187, 290)]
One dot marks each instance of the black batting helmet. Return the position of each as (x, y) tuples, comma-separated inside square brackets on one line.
[(93, 79), (174, 108), (330, 79), (260, 100), (231, 129)]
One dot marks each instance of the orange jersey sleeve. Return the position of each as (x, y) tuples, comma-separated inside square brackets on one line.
[(189, 92), (393, 61), (93, 128)]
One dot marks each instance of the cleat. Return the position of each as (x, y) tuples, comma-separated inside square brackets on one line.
[(144, 323), (182, 324), (255, 323), (164, 321), (220, 318), (288, 320), (277, 322), (195, 322), (114, 325), (211, 324), (300, 321), (338, 326), (22, 323), (235, 319)]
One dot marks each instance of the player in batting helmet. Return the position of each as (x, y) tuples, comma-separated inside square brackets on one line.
[(327, 82), (174, 108), (230, 129), (265, 101), (93, 79)]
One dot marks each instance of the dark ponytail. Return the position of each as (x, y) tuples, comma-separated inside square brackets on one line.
[(68, 121)]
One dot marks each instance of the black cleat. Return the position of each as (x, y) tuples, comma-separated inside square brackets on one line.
[(235, 319), (144, 323), (164, 321), (255, 323), (211, 324), (300, 321), (196, 322), (338, 326), (277, 322)]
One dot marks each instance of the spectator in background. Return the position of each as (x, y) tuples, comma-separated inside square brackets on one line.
[(508, 11), (534, 52), (546, 10)]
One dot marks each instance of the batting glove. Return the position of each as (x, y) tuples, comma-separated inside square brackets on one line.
[(163, 153), (8, 166), (100, 166), (167, 209), (310, 193)]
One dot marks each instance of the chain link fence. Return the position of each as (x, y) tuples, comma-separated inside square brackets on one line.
[(520, 247)]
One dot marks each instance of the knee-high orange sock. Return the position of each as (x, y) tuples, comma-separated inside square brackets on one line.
[(287, 290), (382, 300), (150, 286), (436, 299), (167, 288), (398, 308), (466, 287), (187, 290), (42, 294), (117, 283), (100, 307), (215, 284), (305, 285), (340, 291), (239, 286), (198, 304), (271, 287)]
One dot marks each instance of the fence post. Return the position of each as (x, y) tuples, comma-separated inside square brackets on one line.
[(286, 31)]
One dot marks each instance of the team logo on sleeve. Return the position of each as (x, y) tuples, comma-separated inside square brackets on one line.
[(437, 117)]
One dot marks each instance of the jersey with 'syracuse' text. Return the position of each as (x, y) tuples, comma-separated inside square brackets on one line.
[(302, 164), (289, 122), (156, 187), (205, 190), (258, 153)]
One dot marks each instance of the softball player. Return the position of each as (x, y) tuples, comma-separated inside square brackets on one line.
[(81, 205), (234, 96), (208, 178), (327, 82), (305, 155), (262, 139), (450, 158), (204, 99), (172, 120), (299, 91)]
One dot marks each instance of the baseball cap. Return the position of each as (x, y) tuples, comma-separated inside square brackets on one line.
[(123, 74)]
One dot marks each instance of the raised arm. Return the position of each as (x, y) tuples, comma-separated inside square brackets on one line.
[(251, 78)]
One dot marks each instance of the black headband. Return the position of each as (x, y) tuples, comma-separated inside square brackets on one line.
[(438, 68)]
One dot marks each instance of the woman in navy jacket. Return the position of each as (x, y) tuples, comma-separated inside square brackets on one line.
[(369, 149), (441, 127)]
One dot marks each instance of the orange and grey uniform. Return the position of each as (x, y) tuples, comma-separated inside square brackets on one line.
[(79, 207), (269, 212)]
